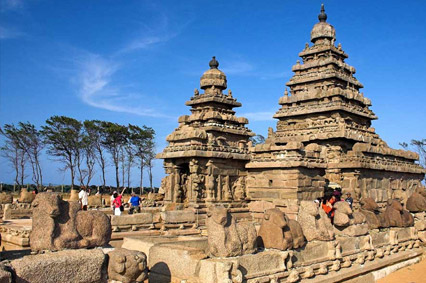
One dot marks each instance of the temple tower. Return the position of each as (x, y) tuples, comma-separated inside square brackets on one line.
[(206, 155), (324, 135)]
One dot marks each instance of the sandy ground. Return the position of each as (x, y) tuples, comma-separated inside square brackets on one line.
[(415, 273)]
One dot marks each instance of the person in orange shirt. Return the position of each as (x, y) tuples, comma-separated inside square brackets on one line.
[(327, 206)]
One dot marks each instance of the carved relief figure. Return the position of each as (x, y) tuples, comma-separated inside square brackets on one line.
[(226, 189), (239, 189)]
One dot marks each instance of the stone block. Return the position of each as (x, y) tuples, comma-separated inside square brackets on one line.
[(379, 238), (313, 251), (175, 260), (260, 206), (95, 201), (178, 216), (134, 219), (352, 230), (7, 212), (420, 225), (64, 266)]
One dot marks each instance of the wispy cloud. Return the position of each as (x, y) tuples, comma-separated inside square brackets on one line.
[(259, 116), (152, 34), (96, 88), (237, 67)]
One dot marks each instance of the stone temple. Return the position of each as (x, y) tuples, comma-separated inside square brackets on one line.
[(323, 139), (207, 153), (234, 212)]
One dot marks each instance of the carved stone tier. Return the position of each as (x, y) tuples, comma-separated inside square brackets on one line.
[(324, 135), (206, 154)]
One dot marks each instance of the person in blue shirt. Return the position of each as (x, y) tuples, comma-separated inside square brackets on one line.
[(134, 201)]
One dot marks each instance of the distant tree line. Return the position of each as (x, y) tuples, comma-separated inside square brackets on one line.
[(81, 147)]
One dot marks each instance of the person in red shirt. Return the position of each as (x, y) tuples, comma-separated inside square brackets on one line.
[(117, 203)]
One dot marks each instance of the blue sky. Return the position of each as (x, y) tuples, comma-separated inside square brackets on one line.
[(139, 61)]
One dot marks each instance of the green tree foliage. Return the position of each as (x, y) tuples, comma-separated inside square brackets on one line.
[(142, 141), (13, 151), (63, 136), (80, 147), (95, 134), (114, 138), (31, 141)]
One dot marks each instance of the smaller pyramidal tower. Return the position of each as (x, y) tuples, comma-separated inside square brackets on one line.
[(324, 136), (206, 155)]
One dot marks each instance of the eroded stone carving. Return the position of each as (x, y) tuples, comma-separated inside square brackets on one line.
[(226, 237), (279, 232), (416, 203), (59, 225), (314, 222), (396, 216), (127, 266)]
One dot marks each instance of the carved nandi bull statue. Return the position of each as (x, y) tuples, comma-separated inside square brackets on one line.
[(58, 224), (227, 238)]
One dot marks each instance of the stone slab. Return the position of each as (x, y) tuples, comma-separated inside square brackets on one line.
[(77, 266), (134, 219), (178, 216)]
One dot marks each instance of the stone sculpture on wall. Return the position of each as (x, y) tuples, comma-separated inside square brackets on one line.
[(127, 266), (370, 210), (59, 225), (314, 222), (416, 203), (227, 238), (239, 189), (348, 223), (279, 232), (396, 216)]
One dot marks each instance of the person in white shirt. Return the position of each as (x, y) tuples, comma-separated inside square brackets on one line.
[(83, 197)]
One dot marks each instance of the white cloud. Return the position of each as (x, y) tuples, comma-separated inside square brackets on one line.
[(146, 42), (259, 116), (96, 88)]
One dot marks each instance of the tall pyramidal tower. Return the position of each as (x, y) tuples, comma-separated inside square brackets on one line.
[(324, 136), (206, 155)]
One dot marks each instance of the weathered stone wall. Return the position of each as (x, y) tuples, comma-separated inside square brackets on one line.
[(285, 183)]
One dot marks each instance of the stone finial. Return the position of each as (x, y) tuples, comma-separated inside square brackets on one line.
[(196, 92), (322, 17), (285, 92), (214, 64), (229, 93), (306, 45), (298, 62), (339, 46)]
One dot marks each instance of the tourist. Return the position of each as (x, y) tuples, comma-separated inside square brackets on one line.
[(83, 197), (134, 202), (337, 195), (327, 206), (349, 199), (117, 202), (112, 199)]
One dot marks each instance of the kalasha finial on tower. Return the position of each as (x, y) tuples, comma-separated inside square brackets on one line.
[(322, 17), (213, 63)]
